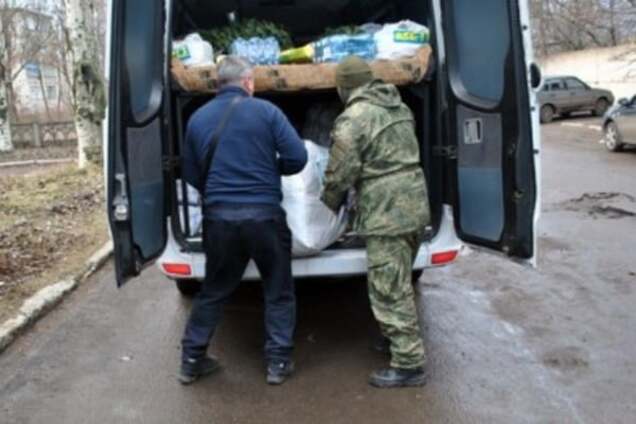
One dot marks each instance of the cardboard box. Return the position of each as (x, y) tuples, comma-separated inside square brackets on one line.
[(303, 77)]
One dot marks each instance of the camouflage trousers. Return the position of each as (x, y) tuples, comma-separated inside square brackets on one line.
[(392, 296)]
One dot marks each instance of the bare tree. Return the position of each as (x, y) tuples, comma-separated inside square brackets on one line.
[(26, 36), (87, 82), (563, 25), (6, 143)]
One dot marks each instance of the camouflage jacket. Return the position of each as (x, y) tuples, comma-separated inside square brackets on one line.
[(375, 150)]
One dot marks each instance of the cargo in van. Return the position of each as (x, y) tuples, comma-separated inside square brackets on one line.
[(296, 88), (475, 110)]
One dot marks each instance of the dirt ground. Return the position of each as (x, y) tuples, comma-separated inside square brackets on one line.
[(51, 220)]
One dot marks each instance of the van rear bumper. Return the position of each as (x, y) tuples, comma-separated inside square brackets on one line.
[(177, 264)]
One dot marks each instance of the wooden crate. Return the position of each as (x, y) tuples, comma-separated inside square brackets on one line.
[(302, 77)]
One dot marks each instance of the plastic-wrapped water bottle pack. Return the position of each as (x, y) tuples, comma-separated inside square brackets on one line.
[(259, 51), (337, 47)]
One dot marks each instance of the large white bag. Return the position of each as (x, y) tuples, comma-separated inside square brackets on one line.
[(401, 39), (313, 225), (195, 216), (193, 51)]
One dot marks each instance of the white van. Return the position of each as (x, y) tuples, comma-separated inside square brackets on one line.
[(476, 112)]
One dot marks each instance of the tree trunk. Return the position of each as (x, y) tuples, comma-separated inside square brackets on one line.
[(613, 30), (87, 83), (45, 95), (6, 144)]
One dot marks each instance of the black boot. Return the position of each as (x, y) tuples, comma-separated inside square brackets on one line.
[(382, 345), (278, 371), (193, 369), (398, 377)]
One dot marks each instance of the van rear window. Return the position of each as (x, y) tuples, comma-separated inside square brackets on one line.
[(143, 57), (481, 38)]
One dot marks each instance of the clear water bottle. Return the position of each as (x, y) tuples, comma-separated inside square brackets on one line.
[(261, 51), (238, 47), (267, 51), (275, 51), (271, 51), (252, 51)]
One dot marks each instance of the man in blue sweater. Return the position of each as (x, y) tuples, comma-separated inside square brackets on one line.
[(243, 218)]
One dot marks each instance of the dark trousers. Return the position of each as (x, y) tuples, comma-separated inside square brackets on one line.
[(229, 245)]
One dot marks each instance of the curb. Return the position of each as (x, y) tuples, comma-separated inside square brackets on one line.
[(44, 300), (35, 162)]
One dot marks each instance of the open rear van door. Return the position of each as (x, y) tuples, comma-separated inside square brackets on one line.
[(491, 123), (135, 133)]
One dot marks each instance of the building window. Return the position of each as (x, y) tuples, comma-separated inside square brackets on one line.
[(32, 70), (51, 92), (31, 24)]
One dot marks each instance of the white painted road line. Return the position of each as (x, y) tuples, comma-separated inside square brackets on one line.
[(594, 127)]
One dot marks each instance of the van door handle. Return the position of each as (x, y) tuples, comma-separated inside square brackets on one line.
[(473, 131)]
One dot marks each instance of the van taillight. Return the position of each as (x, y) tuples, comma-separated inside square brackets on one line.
[(177, 269), (442, 258)]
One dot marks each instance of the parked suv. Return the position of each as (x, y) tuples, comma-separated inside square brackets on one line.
[(619, 125), (566, 94), (476, 120)]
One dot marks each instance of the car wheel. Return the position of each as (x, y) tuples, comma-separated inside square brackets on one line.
[(188, 288), (613, 140), (547, 114), (601, 107)]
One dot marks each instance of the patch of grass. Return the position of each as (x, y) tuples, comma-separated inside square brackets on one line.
[(49, 225)]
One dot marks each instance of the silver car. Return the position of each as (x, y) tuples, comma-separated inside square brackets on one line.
[(619, 125), (566, 94)]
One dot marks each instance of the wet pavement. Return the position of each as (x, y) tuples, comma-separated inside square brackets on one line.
[(507, 344)]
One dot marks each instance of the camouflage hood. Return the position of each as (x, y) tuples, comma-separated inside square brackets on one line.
[(377, 93)]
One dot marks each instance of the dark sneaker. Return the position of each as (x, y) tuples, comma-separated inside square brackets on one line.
[(193, 369), (278, 371), (398, 377)]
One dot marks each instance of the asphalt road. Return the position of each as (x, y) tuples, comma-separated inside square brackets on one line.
[(507, 344)]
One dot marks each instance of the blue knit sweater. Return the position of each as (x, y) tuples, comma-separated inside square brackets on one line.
[(257, 146)]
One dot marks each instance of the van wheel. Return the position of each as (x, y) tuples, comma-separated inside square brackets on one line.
[(601, 107), (613, 140), (547, 114), (188, 288)]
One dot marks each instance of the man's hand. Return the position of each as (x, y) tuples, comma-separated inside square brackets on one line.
[(332, 201)]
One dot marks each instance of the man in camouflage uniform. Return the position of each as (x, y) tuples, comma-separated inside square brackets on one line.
[(375, 150)]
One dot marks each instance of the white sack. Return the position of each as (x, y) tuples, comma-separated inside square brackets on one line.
[(401, 39), (194, 210), (313, 225)]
